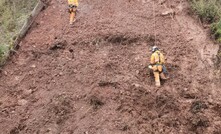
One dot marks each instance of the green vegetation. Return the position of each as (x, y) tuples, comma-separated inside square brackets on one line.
[(3, 53), (13, 14), (216, 29), (209, 11)]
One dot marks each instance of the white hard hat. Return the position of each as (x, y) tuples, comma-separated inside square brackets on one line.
[(154, 48)]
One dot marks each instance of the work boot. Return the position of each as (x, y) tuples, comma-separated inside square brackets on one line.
[(72, 22), (162, 76), (157, 83)]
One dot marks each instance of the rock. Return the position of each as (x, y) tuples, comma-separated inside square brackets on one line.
[(28, 92), (137, 58), (60, 73), (17, 78), (58, 44), (185, 89), (162, 1), (210, 99), (5, 72), (22, 102), (168, 12), (136, 85), (33, 66), (190, 39), (75, 71)]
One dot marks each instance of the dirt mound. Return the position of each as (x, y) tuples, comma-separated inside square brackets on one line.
[(92, 77)]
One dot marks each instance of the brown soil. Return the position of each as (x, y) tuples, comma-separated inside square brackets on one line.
[(92, 77)]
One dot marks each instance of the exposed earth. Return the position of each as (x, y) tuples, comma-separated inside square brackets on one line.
[(92, 77)]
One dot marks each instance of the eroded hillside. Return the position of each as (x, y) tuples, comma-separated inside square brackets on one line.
[(92, 77)]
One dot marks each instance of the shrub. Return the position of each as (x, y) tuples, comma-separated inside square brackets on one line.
[(207, 10), (210, 11), (13, 14), (216, 29), (3, 53)]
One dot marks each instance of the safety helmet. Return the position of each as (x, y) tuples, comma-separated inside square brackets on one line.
[(154, 48)]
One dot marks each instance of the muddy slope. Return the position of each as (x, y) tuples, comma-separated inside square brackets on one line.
[(91, 78)]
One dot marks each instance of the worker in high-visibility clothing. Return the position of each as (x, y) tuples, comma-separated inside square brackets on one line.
[(73, 4), (157, 62)]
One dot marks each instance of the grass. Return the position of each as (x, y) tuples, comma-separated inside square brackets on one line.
[(13, 14), (216, 29), (4, 51), (209, 11)]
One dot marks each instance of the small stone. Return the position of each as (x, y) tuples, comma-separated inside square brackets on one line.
[(210, 99), (22, 102), (168, 12), (33, 66), (137, 58), (16, 78), (5, 72), (190, 39), (137, 85), (162, 1), (134, 113), (60, 73), (27, 92), (75, 71)]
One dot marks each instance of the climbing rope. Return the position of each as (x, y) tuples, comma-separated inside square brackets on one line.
[(154, 24)]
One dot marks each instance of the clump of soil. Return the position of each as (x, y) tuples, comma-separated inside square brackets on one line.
[(60, 108), (198, 123), (198, 106), (58, 45), (95, 102)]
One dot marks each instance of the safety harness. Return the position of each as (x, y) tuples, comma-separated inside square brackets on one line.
[(159, 57), (164, 70)]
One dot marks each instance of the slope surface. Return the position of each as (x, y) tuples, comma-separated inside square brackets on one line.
[(91, 78)]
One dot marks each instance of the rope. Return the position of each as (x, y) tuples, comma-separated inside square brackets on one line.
[(154, 25)]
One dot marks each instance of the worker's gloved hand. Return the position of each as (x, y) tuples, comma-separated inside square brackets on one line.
[(150, 67)]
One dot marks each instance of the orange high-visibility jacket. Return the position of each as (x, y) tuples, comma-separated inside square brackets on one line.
[(157, 60), (73, 2)]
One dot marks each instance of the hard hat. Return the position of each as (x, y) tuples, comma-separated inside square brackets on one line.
[(154, 48)]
